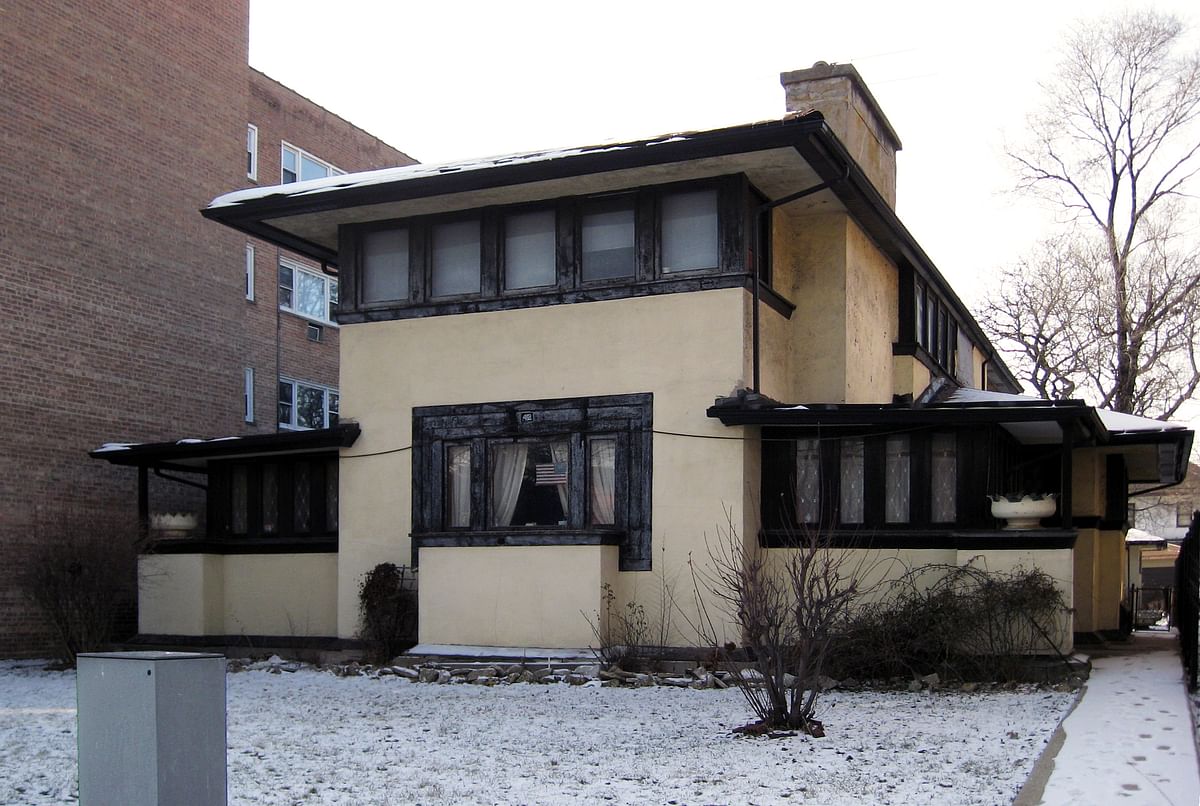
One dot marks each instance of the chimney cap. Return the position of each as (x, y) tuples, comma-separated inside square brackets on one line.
[(825, 70)]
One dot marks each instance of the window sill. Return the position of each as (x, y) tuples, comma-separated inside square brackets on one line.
[(530, 537), (245, 545), (952, 538), (314, 319)]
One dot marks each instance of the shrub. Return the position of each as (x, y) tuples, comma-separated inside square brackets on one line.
[(968, 623), (81, 575), (388, 611)]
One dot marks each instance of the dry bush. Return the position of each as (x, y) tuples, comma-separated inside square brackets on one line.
[(387, 611), (790, 604), (969, 624), (634, 638), (81, 576)]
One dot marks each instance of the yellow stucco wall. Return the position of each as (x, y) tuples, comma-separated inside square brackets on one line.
[(212, 594), (1058, 564), (685, 348), (872, 325), (514, 596)]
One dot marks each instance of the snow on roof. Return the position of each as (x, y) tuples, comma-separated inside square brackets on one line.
[(1140, 536), (402, 173), (115, 446), (1114, 421)]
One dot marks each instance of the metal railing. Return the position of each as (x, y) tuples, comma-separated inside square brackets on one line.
[(1187, 603)]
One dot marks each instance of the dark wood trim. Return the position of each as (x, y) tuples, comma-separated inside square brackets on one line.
[(981, 540), (549, 537), (629, 418), (242, 644), (246, 545)]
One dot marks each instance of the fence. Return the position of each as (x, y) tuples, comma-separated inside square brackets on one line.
[(1187, 587)]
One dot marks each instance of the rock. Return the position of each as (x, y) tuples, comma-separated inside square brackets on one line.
[(931, 680), (405, 671), (588, 670), (577, 679), (643, 680), (481, 674), (485, 681), (428, 674), (699, 672), (610, 683), (752, 675), (541, 674), (513, 668), (594, 682), (717, 682), (461, 672), (678, 682), (614, 674), (914, 685), (825, 683), (552, 678), (970, 688), (850, 682), (526, 676), (385, 671)]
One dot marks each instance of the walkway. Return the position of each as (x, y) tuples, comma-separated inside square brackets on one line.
[(1130, 739)]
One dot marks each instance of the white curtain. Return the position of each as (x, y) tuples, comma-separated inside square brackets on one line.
[(559, 451), (508, 472), (603, 483), (458, 477)]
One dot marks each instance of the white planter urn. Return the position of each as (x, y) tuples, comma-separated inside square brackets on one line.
[(1026, 513), (173, 524)]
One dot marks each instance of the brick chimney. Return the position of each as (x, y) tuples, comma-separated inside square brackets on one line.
[(837, 91)]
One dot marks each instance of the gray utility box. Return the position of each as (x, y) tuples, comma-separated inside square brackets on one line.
[(151, 729)]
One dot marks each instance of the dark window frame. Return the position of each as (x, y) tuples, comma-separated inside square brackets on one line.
[(735, 196), (220, 515), (627, 418)]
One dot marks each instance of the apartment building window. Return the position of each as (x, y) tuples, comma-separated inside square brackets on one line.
[(297, 165), (1183, 515), (250, 272), (248, 395), (251, 151), (306, 405), (307, 292)]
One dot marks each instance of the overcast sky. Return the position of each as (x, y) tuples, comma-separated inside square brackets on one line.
[(446, 80)]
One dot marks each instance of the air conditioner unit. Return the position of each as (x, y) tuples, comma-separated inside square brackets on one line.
[(314, 332)]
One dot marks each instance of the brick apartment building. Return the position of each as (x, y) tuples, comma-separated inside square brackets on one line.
[(114, 112)]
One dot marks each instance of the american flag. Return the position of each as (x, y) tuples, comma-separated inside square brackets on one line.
[(550, 474)]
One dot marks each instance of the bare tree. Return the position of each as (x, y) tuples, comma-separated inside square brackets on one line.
[(1108, 310), (789, 608)]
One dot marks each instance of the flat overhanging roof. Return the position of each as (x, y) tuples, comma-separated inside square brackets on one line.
[(1156, 452), (193, 455)]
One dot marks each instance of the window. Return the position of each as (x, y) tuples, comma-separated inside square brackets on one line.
[(853, 480), (1183, 516), (297, 165), (878, 481), (808, 481), (290, 497), (529, 250), (248, 394), (307, 292), (569, 472), (608, 242), (303, 405), (532, 253), (897, 478), (250, 272), (943, 486), (689, 231), (456, 258), (251, 151), (385, 266)]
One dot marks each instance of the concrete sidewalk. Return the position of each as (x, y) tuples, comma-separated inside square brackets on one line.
[(1129, 739)]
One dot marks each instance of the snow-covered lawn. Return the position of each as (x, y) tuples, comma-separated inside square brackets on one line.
[(311, 737)]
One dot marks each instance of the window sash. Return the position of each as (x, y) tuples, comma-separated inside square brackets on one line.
[(251, 151), (808, 481), (307, 293), (250, 272), (853, 480), (689, 231), (304, 406), (897, 479), (385, 265), (943, 486), (456, 258), (608, 238), (530, 241)]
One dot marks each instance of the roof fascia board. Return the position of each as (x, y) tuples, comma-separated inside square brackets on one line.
[(165, 454)]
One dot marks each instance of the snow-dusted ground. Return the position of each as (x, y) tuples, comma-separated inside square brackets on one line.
[(310, 737)]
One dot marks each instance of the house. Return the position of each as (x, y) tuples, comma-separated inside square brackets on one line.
[(531, 350), (130, 318)]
